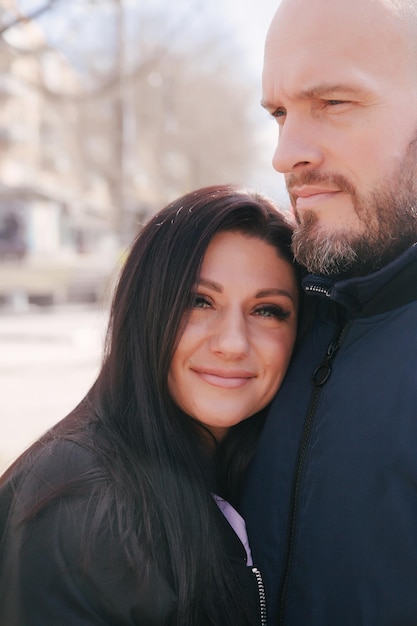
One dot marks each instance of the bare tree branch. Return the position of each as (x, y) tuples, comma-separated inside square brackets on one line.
[(23, 19), (112, 85), (107, 89), (114, 80)]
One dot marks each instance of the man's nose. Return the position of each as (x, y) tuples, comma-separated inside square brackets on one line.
[(299, 146)]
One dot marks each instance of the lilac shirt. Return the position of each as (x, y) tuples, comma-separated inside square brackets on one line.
[(237, 522)]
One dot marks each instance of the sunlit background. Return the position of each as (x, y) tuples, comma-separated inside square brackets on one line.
[(108, 110)]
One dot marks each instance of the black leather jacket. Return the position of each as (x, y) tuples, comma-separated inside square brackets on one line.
[(46, 578)]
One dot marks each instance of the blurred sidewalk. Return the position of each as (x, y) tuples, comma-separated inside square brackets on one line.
[(48, 360)]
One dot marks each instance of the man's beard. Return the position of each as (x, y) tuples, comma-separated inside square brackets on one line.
[(388, 218)]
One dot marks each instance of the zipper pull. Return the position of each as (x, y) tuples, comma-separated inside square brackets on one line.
[(322, 373)]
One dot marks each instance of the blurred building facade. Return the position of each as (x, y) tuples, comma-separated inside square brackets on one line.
[(56, 236), (90, 148)]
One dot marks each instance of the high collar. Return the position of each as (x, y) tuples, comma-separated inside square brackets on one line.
[(390, 287)]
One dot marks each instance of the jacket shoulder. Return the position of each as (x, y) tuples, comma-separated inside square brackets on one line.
[(64, 563)]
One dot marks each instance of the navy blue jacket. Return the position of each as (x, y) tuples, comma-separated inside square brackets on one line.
[(331, 496)]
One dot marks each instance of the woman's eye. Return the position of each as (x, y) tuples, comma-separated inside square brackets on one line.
[(275, 312), (201, 302)]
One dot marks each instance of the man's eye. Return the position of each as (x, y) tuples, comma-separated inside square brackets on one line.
[(335, 102), (279, 113)]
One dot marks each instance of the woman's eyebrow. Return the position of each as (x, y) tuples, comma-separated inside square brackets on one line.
[(264, 293), (210, 284)]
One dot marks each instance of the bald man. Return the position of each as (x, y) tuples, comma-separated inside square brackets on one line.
[(331, 496)]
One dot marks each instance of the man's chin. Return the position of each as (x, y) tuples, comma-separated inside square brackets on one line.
[(322, 250)]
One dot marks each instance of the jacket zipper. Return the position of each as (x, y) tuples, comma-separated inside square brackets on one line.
[(319, 378), (261, 591)]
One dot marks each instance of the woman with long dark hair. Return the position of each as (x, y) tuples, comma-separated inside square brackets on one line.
[(122, 513)]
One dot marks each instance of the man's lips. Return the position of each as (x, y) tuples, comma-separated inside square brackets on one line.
[(228, 379), (306, 196)]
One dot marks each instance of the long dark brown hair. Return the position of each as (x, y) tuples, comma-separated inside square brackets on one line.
[(157, 476)]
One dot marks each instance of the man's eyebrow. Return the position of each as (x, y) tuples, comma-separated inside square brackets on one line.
[(319, 91), (325, 89), (266, 105)]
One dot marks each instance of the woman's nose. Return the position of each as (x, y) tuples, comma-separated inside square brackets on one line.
[(230, 335)]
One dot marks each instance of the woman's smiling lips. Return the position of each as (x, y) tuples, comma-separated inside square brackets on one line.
[(227, 379)]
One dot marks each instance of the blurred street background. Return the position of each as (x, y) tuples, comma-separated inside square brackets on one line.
[(109, 109), (48, 360)]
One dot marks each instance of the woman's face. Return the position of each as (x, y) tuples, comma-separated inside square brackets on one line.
[(238, 340)]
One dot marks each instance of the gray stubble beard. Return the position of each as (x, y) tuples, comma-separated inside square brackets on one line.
[(388, 217)]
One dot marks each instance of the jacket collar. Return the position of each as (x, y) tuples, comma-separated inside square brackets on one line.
[(390, 287)]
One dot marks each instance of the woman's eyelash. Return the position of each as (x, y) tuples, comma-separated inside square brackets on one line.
[(273, 311), (199, 301)]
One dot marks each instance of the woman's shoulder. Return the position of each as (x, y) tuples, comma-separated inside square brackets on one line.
[(67, 548), (54, 465), (65, 457), (52, 461), (50, 468)]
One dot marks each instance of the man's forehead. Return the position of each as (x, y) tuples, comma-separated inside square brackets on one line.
[(324, 30), (296, 15)]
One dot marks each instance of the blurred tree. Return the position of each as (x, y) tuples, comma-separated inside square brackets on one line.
[(154, 104), (11, 16)]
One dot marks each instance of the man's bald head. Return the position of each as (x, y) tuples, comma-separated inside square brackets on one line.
[(369, 16)]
